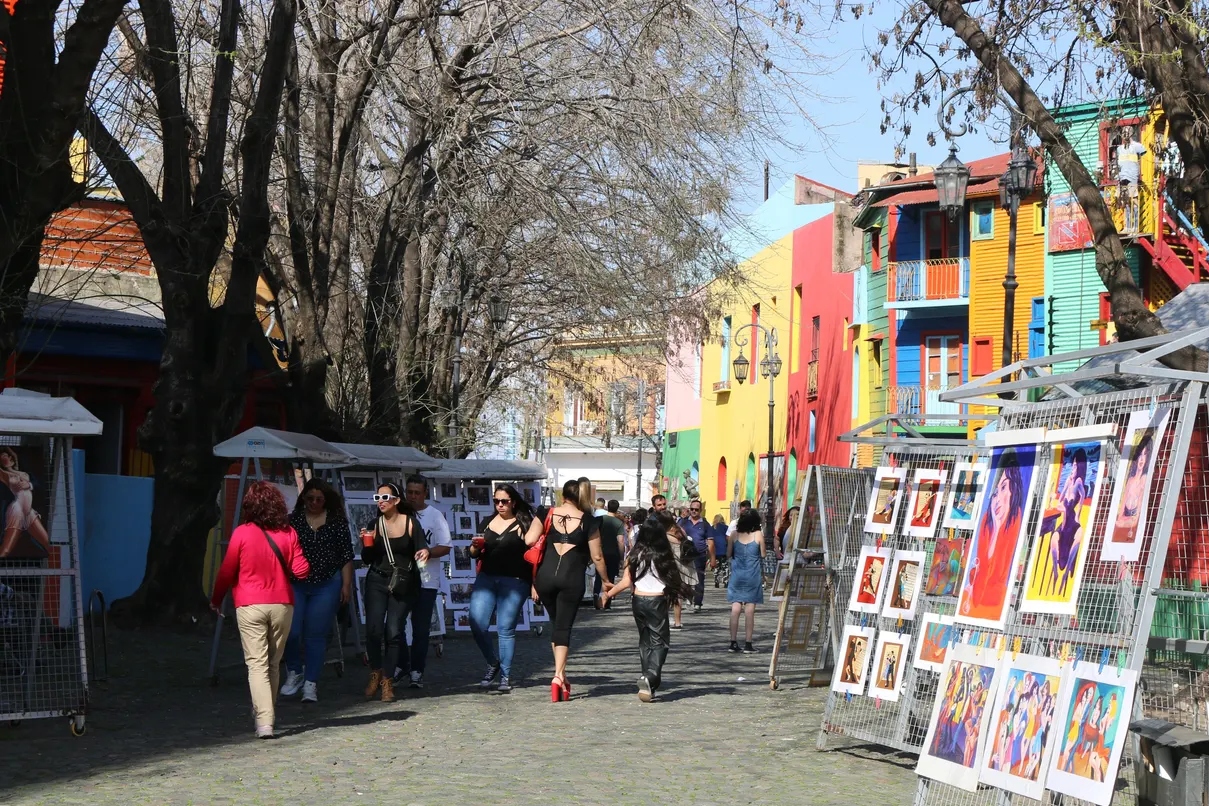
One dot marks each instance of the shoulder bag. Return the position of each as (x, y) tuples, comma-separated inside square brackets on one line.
[(401, 583), (535, 553), (289, 575)]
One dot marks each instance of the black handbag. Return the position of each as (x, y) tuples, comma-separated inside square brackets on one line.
[(404, 581)]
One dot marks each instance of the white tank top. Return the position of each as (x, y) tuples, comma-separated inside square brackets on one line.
[(649, 583)]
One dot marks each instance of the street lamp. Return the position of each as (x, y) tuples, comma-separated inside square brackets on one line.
[(1015, 186), (497, 311), (770, 368), (952, 179)]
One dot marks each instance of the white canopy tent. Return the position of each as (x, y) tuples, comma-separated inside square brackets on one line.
[(496, 469), (389, 457), (26, 412)]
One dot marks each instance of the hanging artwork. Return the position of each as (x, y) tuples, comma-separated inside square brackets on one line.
[(986, 586), (906, 576), (887, 495), (888, 664), (871, 572), (461, 564), (459, 595), (948, 560), (24, 502), (1059, 553), (1092, 723), (956, 739), (923, 510), (1021, 731), (935, 636), (965, 495), (1131, 496), (855, 648), (478, 495)]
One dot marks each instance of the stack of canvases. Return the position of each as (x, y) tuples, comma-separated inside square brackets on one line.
[(1021, 722)]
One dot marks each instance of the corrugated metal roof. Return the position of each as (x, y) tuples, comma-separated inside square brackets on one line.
[(388, 456), (493, 469), (984, 178), (932, 195), (52, 310)]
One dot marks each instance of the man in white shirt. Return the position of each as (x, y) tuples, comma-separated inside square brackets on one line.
[(734, 525), (440, 542), (1129, 175)]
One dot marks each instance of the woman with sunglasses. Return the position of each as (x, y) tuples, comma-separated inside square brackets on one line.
[(390, 543), (503, 581), (322, 529)]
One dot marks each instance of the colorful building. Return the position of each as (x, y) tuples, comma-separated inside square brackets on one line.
[(682, 440)]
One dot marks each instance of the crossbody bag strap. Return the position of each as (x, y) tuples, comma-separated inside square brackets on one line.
[(277, 551)]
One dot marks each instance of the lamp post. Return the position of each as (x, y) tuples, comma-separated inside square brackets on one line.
[(1015, 186), (497, 311), (770, 368), (952, 175), (640, 415)]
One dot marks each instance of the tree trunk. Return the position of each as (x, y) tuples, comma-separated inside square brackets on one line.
[(16, 278)]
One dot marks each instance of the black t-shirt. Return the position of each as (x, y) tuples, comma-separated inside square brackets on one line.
[(326, 550), (402, 547), (504, 552), (611, 528)]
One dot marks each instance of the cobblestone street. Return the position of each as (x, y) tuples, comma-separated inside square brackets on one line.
[(159, 734)]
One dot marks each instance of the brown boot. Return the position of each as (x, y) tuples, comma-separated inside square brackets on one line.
[(388, 689), (375, 682)]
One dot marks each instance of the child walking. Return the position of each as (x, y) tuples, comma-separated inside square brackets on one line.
[(652, 569)]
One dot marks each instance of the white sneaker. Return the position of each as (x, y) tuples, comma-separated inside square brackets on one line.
[(292, 684), (310, 692), (417, 680), (264, 732)]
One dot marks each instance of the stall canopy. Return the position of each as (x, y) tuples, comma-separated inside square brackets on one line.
[(266, 443), (494, 469), (388, 456), (26, 412)]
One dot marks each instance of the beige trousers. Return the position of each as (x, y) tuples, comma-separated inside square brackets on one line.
[(263, 630)]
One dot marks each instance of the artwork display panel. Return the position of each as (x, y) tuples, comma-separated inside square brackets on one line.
[(478, 495), (1131, 496), (461, 564), (856, 645), (780, 580), (904, 581), (448, 491), (805, 627), (936, 635), (459, 595), (25, 482), (886, 498), (965, 495), (872, 569), (926, 502), (1058, 556), (1022, 728), (956, 739), (889, 662), (948, 563), (461, 620), (464, 522), (1093, 726)]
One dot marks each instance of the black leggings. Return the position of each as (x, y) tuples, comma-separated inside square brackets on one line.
[(560, 585)]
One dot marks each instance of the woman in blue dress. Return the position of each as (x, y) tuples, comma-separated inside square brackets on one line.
[(744, 553)]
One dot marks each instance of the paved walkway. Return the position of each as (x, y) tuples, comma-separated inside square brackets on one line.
[(159, 734)]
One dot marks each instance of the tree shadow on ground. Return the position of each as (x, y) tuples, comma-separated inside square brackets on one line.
[(345, 722)]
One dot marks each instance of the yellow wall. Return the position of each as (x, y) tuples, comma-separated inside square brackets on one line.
[(734, 424), (594, 368)]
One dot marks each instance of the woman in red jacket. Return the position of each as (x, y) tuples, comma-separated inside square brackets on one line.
[(255, 571)]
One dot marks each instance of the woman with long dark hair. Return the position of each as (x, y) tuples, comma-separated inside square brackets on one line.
[(654, 571), (994, 552), (685, 553), (745, 553), (572, 541), (504, 580)]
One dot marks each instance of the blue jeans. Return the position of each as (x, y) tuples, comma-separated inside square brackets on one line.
[(505, 596), (315, 605)]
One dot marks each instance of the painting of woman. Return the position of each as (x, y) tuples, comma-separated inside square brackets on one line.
[(20, 518)]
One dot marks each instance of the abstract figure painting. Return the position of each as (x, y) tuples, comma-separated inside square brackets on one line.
[(906, 575), (855, 648), (986, 587), (1131, 496), (1059, 554), (872, 568), (1092, 722), (935, 637), (1021, 730), (948, 560), (953, 748), (888, 664), (884, 503), (965, 495), (923, 510)]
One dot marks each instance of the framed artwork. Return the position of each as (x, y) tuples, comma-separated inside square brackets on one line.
[(948, 561), (884, 502), (956, 739), (1058, 556), (1021, 728), (1131, 495), (461, 621), (807, 584), (363, 484), (465, 523), (872, 567), (25, 481), (478, 495), (459, 595), (965, 495), (888, 664), (856, 646), (361, 515), (779, 581), (936, 635), (1092, 727), (537, 612), (391, 477), (924, 506), (906, 576), (449, 490), (986, 586), (804, 628), (530, 492), (461, 564)]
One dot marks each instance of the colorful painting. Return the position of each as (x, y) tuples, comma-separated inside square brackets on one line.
[(1093, 722), (948, 560), (855, 648), (872, 568), (986, 587), (1131, 496), (923, 510), (935, 637), (889, 661), (906, 576), (965, 495), (24, 502), (887, 496), (1059, 553), (1022, 726), (956, 739)]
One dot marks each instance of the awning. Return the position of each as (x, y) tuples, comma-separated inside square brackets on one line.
[(491, 469), (388, 456), (26, 412), (267, 443)]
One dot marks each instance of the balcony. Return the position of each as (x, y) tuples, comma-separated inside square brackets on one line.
[(812, 379), (928, 283), (916, 400)]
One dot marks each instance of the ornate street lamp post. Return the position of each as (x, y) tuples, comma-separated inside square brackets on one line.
[(770, 368), (498, 310), (1015, 186)]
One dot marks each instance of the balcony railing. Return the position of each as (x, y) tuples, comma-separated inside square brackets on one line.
[(917, 400), (812, 379), (929, 280)]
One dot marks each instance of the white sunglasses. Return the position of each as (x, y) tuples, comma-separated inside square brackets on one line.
[(384, 497)]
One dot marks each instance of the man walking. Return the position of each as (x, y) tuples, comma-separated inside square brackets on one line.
[(734, 525), (612, 545), (436, 533), (698, 530)]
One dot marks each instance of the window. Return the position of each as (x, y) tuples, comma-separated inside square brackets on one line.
[(724, 369), (1108, 332), (875, 354), (722, 496), (982, 221), (942, 238), (791, 479), (814, 433), (875, 250), (1039, 218), (814, 339), (1036, 328), (942, 367), (750, 481), (795, 360), (982, 356)]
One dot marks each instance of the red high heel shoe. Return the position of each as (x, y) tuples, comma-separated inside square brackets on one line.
[(556, 690), (566, 690)]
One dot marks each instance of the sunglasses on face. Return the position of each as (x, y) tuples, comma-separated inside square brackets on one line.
[(383, 497), (500, 501), (694, 509)]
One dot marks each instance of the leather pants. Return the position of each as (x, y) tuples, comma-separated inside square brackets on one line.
[(654, 635)]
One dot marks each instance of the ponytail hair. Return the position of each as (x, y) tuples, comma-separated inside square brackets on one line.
[(578, 493)]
